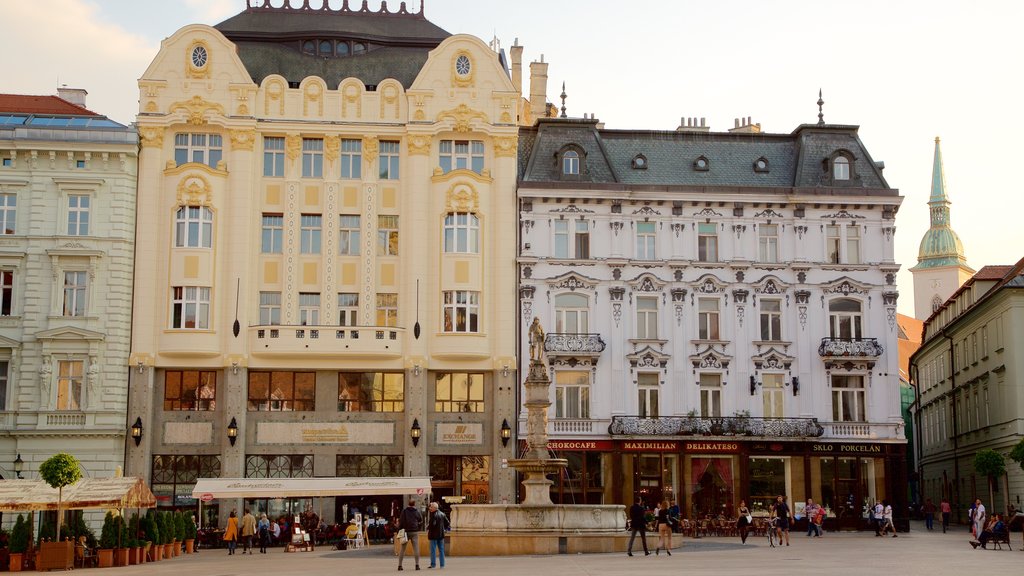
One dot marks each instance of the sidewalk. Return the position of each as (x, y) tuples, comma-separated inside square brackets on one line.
[(835, 554)]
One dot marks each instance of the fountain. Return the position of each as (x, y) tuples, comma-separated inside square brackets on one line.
[(537, 526)]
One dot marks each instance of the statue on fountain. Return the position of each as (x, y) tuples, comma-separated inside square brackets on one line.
[(536, 341)]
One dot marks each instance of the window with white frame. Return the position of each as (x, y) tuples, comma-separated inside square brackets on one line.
[(200, 148), (461, 311), (571, 163), (6, 292), (348, 309), (309, 308), (351, 159), (387, 309), (582, 240), (190, 307), (707, 319), (310, 229), (272, 234), (461, 233), (844, 315), (572, 314), (270, 308), (312, 157), (646, 318), (3, 384), (841, 168), (388, 168), (842, 244), (710, 395), (387, 235), (69, 384), (647, 395), (273, 156), (707, 242), (78, 214), (645, 241), (768, 243), (848, 398), (771, 393), (349, 233), (833, 241), (193, 227), (771, 320), (852, 244), (572, 394), (75, 288), (8, 213), (461, 155)]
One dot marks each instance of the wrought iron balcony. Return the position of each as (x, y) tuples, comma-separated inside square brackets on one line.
[(850, 347), (720, 426), (560, 344)]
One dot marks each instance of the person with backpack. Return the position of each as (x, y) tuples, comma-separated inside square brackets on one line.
[(411, 520), (437, 525)]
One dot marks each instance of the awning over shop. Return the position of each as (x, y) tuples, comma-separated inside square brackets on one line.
[(208, 488), (28, 495)]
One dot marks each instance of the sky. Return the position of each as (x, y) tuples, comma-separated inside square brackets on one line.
[(905, 72)]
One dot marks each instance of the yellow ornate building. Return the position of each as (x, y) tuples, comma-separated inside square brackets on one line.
[(325, 276)]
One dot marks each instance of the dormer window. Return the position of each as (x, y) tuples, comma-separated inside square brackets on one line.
[(639, 162), (571, 163), (841, 168), (761, 164), (701, 164)]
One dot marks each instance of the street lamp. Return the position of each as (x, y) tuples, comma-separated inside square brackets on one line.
[(233, 431), (136, 431), (19, 465), (506, 432), (415, 432)]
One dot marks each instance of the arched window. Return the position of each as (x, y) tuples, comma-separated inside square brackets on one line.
[(841, 168), (936, 303), (342, 48), (571, 163), (845, 319), (326, 48), (309, 47), (572, 314), (358, 48)]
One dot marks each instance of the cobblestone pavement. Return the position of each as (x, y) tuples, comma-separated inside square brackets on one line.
[(856, 554)]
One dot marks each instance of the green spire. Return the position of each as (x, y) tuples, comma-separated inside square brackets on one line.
[(940, 245)]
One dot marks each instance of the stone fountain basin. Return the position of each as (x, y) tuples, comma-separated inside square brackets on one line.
[(551, 518)]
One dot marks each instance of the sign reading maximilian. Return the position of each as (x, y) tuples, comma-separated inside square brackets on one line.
[(325, 433), (460, 434)]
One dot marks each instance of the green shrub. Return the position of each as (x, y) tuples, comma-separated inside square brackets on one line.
[(109, 533), (20, 535), (150, 528)]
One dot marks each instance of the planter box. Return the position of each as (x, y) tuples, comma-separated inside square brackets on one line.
[(105, 557), (121, 556), (189, 545), (56, 556), (155, 553), (16, 561), (168, 551), (176, 548)]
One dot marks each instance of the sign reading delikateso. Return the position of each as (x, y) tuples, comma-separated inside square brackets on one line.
[(325, 433), (460, 434)]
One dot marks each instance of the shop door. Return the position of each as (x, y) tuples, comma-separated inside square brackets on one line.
[(848, 492), (648, 471)]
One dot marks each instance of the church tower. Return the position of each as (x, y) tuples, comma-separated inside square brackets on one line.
[(941, 266)]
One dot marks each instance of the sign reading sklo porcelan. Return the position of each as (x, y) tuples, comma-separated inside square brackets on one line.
[(460, 434), (325, 433)]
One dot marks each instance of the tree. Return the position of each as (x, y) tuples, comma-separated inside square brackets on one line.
[(58, 471), (1017, 454), (20, 535), (990, 464)]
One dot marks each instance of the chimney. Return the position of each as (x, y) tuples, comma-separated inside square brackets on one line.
[(516, 52), (744, 125), (538, 88), (73, 95), (692, 125)]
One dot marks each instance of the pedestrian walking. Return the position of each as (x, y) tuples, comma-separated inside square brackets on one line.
[(782, 515), (637, 523), (231, 532), (876, 515), (946, 511), (437, 525), (929, 513), (744, 521), (411, 520), (248, 531), (887, 519), (979, 518), (811, 512), (263, 532), (664, 521)]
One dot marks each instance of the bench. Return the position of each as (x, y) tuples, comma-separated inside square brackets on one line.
[(997, 540)]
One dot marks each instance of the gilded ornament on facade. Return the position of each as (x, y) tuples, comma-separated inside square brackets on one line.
[(462, 198), (292, 146), (194, 190), (350, 96), (463, 67), (505, 145), (461, 117), (242, 139), (332, 147), (196, 109), (274, 94), (419, 145), (151, 107), (198, 68), (312, 96), (389, 99), (370, 150), (151, 137), (243, 110)]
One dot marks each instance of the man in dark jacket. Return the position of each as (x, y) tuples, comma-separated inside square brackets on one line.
[(437, 525), (637, 523), (411, 520)]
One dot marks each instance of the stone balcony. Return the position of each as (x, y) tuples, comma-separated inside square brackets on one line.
[(367, 341), (849, 348), (565, 344), (863, 430), (721, 426)]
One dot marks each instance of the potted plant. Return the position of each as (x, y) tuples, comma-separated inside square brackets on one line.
[(152, 531), (60, 470), (122, 546), (19, 543), (178, 519), (190, 534), (135, 556), (108, 541), (167, 533)]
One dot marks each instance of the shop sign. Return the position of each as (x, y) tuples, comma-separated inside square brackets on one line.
[(325, 433), (580, 445), (711, 447), (649, 446), (848, 448), (459, 434)]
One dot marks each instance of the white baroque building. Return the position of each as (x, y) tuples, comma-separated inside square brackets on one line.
[(720, 314)]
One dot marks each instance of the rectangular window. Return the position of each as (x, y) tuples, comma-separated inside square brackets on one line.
[(461, 311), (348, 309), (277, 466), (309, 308), (200, 148), (190, 308), (270, 308), (272, 236), (646, 318), (387, 309), (458, 392), (6, 292), (707, 242), (645, 238), (461, 155), (707, 319), (282, 391), (78, 214), (190, 390), (69, 384), (349, 232), (853, 244), (8, 213), (771, 391), (273, 156), (3, 384), (312, 157), (710, 395), (582, 243), (174, 476), (647, 395), (833, 240), (75, 285), (388, 160), (311, 226), (461, 233), (351, 159), (561, 239), (387, 235), (771, 320), (572, 394), (193, 227), (371, 392), (768, 242), (8, 162), (369, 465), (848, 398)]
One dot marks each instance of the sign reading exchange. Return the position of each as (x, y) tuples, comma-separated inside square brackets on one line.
[(460, 434)]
